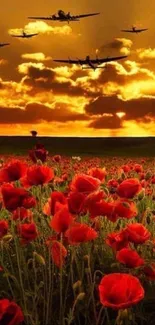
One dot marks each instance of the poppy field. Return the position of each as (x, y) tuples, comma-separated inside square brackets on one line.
[(77, 240)]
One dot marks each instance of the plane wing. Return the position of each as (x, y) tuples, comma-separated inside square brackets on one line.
[(141, 30), (24, 36), (4, 44), (17, 36), (86, 15), (42, 18), (128, 30), (92, 61), (71, 61), (134, 31), (115, 58), (30, 35)]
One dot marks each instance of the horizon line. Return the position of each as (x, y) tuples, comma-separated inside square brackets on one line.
[(68, 136)]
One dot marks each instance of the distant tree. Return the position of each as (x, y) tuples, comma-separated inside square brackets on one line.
[(34, 133)]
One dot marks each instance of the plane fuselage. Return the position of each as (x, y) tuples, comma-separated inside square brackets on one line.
[(89, 63), (63, 18)]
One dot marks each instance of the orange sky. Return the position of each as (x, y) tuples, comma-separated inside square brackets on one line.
[(54, 99)]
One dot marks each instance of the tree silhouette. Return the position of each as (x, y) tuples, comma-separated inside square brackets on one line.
[(34, 133)]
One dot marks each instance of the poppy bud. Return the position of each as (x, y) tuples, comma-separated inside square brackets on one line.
[(81, 296), (39, 258), (77, 285), (141, 195), (7, 238)]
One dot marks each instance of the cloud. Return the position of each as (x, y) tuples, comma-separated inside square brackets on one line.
[(120, 44), (106, 122), (3, 62), (36, 113), (142, 109), (128, 81), (42, 28), (36, 56), (42, 79), (146, 53)]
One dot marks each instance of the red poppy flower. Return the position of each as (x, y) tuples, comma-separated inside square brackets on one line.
[(84, 183), (58, 253), (21, 213), (120, 291), (76, 202), (112, 210), (149, 271), (56, 158), (125, 209), (28, 232), (49, 207), (61, 220), (29, 202), (129, 257), (79, 233), (38, 154), (39, 175), (112, 183), (137, 233), (94, 197), (141, 176), (103, 208), (14, 198), (117, 240), (138, 168), (129, 188), (3, 228), (13, 171), (144, 183), (10, 313), (99, 173), (126, 168), (153, 180)]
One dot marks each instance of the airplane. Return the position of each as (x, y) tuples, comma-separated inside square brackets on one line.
[(91, 63), (134, 30), (62, 16), (4, 44), (24, 35)]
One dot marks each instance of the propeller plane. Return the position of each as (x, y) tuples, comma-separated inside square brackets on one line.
[(91, 63), (134, 30), (25, 35), (62, 16), (4, 44)]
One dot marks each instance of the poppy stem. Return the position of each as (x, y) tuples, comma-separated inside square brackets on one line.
[(61, 284)]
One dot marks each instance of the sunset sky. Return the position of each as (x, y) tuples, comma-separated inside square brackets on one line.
[(63, 100)]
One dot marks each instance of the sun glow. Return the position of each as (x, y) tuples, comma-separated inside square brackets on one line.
[(120, 114)]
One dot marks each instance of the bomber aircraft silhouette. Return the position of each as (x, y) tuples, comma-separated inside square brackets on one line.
[(134, 30), (4, 44), (25, 35), (62, 16), (91, 63)]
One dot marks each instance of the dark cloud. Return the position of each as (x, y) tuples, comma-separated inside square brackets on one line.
[(45, 73), (111, 74), (134, 109), (35, 113), (42, 80), (106, 122), (114, 45)]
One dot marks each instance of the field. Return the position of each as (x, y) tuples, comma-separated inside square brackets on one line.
[(127, 147), (77, 232)]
